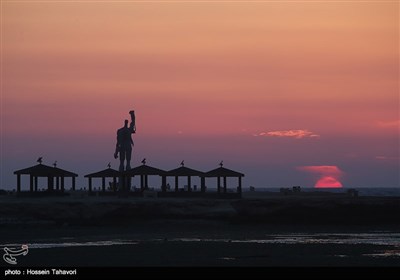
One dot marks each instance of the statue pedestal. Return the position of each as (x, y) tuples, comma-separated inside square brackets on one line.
[(124, 184)]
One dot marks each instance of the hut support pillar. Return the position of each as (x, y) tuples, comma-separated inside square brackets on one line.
[(164, 183), (19, 183), (62, 183), (90, 185), (31, 183), (103, 184), (114, 185), (57, 183), (176, 184), (50, 183), (225, 185), (144, 182), (203, 184)]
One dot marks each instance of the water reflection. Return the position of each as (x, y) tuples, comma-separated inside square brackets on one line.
[(376, 238), (392, 239), (73, 244)]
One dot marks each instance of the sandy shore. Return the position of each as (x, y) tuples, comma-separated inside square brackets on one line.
[(260, 208)]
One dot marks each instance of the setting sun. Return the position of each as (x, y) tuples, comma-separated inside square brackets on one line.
[(328, 182)]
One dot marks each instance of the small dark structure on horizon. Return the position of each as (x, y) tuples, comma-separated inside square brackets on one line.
[(52, 174), (352, 192), (222, 172), (103, 174), (184, 171)]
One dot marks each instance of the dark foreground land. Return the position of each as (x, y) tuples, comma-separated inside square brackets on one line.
[(259, 231), (260, 208)]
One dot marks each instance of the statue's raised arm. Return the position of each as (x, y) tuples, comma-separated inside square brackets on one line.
[(132, 126)]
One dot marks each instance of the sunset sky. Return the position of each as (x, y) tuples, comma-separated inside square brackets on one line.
[(288, 93)]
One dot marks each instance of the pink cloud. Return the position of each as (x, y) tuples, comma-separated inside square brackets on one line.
[(294, 133), (327, 176), (389, 124), (322, 169), (380, 157)]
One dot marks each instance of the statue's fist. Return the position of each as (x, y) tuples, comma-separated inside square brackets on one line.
[(115, 155)]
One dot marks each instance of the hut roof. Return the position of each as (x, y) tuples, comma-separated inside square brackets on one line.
[(145, 170), (223, 172), (109, 172), (42, 170), (184, 171), (66, 172)]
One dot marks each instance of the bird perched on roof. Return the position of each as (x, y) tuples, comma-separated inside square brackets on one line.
[(109, 165), (182, 163), (39, 160), (221, 163), (55, 164), (144, 161)]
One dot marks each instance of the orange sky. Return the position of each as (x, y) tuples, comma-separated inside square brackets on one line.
[(238, 81)]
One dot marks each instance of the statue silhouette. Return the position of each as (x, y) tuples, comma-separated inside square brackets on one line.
[(125, 143)]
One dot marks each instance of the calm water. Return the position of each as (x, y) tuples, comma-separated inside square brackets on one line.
[(391, 239)]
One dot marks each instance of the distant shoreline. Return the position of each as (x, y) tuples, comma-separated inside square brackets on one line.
[(363, 191)]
